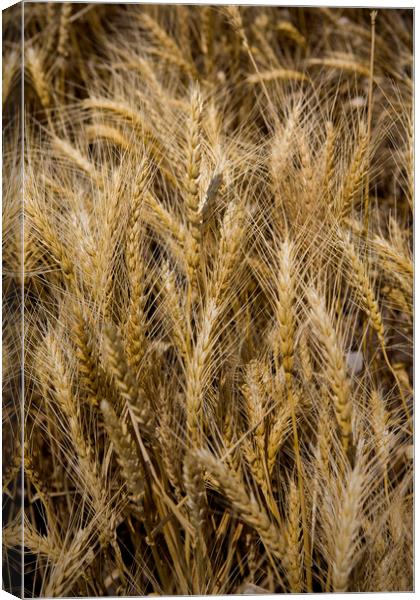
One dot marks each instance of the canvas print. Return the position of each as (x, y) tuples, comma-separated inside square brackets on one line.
[(207, 299)]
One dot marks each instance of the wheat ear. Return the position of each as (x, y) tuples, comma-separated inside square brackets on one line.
[(230, 246), (172, 308), (247, 508), (293, 544), (348, 521), (355, 174), (47, 236), (343, 63), (136, 324), (125, 379), (192, 197), (63, 32), (336, 374), (111, 134), (10, 66), (277, 74), (279, 431), (68, 403), (168, 48), (86, 355), (380, 418), (196, 372), (75, 156), (125, 448), (194, 486), (34, 63), (253, 393), (290, 31)]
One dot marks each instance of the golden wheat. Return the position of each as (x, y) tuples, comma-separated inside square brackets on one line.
[(216, 234)]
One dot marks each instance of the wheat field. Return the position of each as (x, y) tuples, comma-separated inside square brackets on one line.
[(213, 256)]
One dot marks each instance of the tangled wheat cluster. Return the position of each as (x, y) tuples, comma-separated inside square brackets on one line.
[(217, 296)]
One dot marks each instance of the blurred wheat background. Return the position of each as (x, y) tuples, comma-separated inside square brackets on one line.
[(217, 296)]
